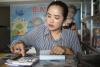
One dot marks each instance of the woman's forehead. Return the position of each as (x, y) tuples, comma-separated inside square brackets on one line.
[(57, 10)]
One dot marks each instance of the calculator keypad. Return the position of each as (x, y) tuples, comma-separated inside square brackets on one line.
[(26, 59)]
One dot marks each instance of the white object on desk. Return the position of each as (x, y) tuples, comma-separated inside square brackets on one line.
[(52, 57), (45, 55), (45, 52), (31, 51)]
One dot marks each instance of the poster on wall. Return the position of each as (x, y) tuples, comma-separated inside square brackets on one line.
[(24, 17)]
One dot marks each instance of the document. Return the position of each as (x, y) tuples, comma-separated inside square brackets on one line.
[(45, 55)]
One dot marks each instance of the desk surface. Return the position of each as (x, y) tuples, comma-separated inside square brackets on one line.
[(45, 63)]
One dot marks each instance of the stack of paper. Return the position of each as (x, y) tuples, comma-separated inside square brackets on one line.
[(45, 55)]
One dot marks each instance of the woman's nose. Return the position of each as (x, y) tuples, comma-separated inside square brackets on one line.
[(51, 20)]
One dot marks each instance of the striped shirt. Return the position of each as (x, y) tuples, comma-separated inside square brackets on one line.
[(40, 38)]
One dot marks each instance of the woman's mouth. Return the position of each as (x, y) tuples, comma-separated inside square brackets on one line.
[(50, 25)]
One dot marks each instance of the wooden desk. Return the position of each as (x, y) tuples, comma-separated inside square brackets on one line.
[(3, 65)]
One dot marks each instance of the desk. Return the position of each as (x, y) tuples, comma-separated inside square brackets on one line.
[(54, 64), (45, 63), (1, 61)]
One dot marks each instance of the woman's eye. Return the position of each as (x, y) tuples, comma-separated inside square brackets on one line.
[(57, 18), (48, 16)]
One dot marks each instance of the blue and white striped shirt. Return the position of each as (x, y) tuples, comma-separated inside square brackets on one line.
[(40, 38)]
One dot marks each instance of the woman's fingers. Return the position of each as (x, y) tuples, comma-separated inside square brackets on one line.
[(57, 50), (68, 51)]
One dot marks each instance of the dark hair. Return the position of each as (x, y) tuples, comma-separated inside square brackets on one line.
[(73, 7), (61, 4)]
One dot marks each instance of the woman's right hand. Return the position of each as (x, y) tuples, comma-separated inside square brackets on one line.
[(68, 51), (18, 48)]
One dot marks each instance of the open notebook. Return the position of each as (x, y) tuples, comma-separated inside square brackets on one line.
[(45, 55)]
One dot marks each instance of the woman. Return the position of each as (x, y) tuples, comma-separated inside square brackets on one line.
[(50, 35)]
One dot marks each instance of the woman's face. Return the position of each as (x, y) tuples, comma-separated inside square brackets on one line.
[(54, 18)]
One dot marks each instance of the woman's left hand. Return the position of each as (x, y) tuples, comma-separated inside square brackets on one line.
[(57, 50)]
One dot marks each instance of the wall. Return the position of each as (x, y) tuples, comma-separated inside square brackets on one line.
[(4, 28)]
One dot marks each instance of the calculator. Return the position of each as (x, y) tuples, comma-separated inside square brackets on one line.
[(27, 60)]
